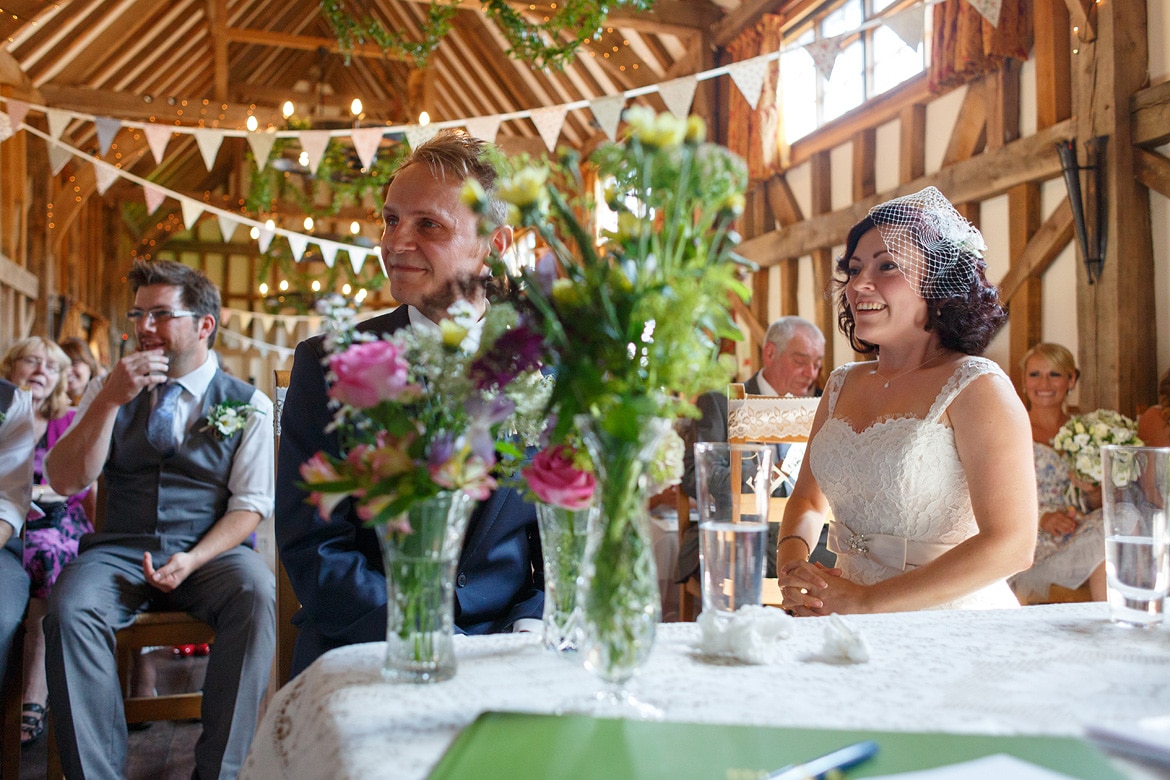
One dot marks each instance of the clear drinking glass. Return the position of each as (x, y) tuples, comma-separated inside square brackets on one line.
[(733, 484), (1135, 492)]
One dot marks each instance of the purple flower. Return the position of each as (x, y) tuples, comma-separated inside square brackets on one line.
[(516, 351)]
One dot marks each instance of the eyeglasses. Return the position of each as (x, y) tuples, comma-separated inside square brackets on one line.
[(158, 316), (34, 362)]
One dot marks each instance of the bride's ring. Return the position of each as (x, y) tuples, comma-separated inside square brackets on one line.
[(804, 591)]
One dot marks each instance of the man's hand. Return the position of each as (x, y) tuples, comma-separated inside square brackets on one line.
[(170, 576), (134, 372)]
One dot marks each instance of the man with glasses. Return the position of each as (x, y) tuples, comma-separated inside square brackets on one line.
[(184, 489)]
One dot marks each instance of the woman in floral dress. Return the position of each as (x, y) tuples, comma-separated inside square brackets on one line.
[(52, 533), (1070, 543)]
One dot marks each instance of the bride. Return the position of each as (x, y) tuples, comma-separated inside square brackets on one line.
[(924, 455)]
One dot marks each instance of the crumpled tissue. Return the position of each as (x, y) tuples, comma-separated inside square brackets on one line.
[(844, 644), (748, 635)]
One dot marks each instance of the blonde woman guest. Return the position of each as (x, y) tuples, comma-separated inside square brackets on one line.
[(923, 455), (1070, 542), (50, 541), (1154, 423)]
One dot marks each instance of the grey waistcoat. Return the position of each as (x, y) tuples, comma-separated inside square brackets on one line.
[(183, 495), (7, 393)]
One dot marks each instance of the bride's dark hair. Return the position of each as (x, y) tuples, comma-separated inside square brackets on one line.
[(965, 322)]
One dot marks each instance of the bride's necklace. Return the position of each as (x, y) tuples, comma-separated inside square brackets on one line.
[(880, 375)]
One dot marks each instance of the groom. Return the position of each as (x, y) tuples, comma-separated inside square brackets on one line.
[(432, 250)]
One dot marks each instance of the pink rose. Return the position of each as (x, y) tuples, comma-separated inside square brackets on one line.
[(371, 372), (554, 479)]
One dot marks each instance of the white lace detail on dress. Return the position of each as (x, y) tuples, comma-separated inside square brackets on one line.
[(900, 476), (766, 418)]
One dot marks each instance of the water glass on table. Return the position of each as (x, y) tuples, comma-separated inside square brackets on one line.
[(732, 485), (1135, 491)]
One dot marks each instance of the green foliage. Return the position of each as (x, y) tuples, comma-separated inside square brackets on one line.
[(553, 43)]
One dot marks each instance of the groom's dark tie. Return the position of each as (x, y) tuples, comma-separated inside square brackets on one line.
[(160, 428)]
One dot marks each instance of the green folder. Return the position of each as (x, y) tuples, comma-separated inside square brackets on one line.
[(577, 747)]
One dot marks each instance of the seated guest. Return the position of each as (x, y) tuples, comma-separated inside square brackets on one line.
[(51, 533), (794, 349), (16, 464), (1154, 423), (186, 486), (923, 455), (1070, 543), (431, 247), (82, 368)]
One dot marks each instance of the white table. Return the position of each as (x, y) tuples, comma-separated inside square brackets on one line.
[(1037, 670)]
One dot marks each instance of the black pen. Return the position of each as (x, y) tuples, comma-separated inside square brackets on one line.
[(848, 756)]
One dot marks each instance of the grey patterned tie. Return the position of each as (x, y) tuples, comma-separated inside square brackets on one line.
[(160, 427)]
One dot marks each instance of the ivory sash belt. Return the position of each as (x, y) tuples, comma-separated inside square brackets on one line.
[(897, 552)]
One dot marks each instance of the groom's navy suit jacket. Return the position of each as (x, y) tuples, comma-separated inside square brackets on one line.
[(335, 566)]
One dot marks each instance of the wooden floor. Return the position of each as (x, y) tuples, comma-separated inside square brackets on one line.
[(165, 751)]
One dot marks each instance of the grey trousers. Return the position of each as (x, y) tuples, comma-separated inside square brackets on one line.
[(99, 593), (13, 599)]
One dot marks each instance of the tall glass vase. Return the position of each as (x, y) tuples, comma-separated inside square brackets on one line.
[(420, 588), (618, 598), (562, 540)]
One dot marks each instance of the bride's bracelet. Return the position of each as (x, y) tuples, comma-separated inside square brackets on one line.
[(798, 537)]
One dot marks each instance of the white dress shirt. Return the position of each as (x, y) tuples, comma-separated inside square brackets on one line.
[(16, 461), (251, 481)]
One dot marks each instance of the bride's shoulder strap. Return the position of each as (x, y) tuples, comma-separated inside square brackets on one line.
[(836, 381), (969, 369)]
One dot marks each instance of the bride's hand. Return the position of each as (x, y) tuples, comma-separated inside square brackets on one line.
[(801, 583), (843, 597)]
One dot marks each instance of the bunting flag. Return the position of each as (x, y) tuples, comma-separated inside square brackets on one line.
[(192, 210), (157, 137), (749, 77), (484, 127), (417, 135), (824, 53), (265, 239), (209, 141), (314, 142), (106, 128), (366, 142), (608, 113), (909, 25), (59, 157), (58, 121), (227, 226), (17, 111), (549, 122), (381, 264), (297, 243), (988, 9), (261, 145), (356, 259), (328, 252), (153, 196), (289, 325), (678, 94), (6, 130), (105, 174)]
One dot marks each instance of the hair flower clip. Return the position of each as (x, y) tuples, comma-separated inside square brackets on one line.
[(228, 418)]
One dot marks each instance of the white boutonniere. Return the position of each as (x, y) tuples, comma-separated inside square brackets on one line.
[(227, 418)]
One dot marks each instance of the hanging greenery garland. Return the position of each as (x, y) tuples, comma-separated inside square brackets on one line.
[(555, 42)]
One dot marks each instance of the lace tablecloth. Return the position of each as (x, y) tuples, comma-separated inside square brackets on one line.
[(1037, 670)]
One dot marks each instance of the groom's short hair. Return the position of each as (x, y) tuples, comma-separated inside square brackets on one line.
[(456, 153)]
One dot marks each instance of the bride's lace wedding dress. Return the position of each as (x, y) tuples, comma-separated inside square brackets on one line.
[(897, 489)]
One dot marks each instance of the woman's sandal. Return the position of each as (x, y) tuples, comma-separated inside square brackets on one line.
[(31, 726)]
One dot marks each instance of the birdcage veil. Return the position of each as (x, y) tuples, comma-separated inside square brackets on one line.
[(936, 248)]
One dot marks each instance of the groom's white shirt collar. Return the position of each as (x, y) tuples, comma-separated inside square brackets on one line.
[(420, 321)]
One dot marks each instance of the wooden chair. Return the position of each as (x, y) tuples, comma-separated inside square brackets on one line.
[(287, 603), (755, 419)]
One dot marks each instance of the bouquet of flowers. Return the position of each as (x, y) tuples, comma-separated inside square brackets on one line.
[(420, 411), (1080, 440), (632, 319)]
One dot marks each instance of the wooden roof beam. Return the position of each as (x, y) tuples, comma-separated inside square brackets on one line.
[(257, 37)]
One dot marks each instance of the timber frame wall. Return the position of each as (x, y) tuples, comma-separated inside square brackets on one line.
[(60, 240), (1100, 90)]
